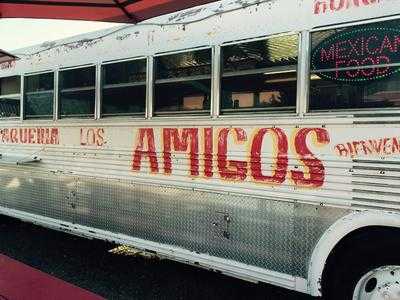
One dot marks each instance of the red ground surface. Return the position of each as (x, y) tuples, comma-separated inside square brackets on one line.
[(20, 282)]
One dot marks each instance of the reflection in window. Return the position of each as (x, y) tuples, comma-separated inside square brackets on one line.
[(183, 82), (10, 97), (39, 95), (260, 76), (355, 67), (124, 88), (77, 92)]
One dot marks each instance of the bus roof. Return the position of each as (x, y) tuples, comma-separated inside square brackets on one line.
[(215, 23)]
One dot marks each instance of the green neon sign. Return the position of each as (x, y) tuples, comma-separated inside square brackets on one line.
[(350, 54)]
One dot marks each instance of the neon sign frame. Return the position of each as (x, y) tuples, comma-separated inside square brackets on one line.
[(343, 73)]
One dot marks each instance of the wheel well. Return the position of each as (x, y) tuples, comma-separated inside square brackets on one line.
[(358, 236)]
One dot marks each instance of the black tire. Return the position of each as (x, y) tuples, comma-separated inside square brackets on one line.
[(355, 256)]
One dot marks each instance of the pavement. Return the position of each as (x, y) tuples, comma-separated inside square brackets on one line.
[(92, 269), (19, 281)]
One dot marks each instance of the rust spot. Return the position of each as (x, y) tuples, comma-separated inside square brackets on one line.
[(186, 14), (48, 44), (122, 37)]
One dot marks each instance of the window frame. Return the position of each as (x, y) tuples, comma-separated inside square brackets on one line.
[(181, 114), (101, 87), (54, 94), (302, 90), (264, 113), (20, 95), (59, 90), (388, 111)]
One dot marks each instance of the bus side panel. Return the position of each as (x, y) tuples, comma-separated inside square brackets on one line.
[(274, 235), (243, 190)]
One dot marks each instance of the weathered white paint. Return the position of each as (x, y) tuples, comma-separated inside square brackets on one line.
[(212, 26)]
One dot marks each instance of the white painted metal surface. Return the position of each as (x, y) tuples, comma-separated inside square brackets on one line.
[(303, 170)]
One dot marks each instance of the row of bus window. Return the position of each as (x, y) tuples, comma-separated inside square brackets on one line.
[(256, 76)]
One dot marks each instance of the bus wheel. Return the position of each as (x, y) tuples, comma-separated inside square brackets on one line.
[(365, 266), (382, 283)]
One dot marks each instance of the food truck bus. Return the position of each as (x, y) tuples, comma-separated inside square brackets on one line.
[(259, 139)]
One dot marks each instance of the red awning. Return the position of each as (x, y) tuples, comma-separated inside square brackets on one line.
[(124, 11)]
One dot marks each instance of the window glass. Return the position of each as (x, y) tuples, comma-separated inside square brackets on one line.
[(10, 96), (183, 82), (260, 76), (77, 92), (356, 67), (39, 95), (124, 88)]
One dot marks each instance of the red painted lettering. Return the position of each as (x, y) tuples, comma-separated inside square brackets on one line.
[(316, 170), (355, 146), (395, 145), (336, 5), (280, 144), (13, 135), (231, 169), (54, 140), (320, 7), (23, 135), (92, 136), (145, 135), (180, 142), (376, 145), (31, 135), (5, 135), (386, 146), (100, 137), (351, 149), (342, 150), (208, 152), (367, 150)]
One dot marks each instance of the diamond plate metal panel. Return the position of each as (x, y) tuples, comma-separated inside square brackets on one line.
[(311, 221), (275, 235), (44, 194), (266, 233)]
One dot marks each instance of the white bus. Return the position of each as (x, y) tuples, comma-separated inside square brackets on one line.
[(259, 139)]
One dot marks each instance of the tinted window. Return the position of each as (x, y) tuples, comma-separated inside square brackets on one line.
[(355, 67), (183, 82), (260, 76), (124, 88), (10, 96), (39, 95), (77, 92)]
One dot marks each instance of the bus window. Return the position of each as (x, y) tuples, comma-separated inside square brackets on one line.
[(39, 95), (10, 96), (356, 67), (183, 82), (77, 92), (260, 76), (124, 88)]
